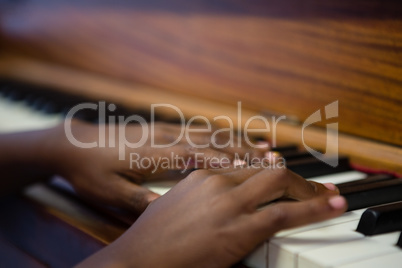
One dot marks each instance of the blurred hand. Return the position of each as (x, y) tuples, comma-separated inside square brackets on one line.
[(98, 174), (213, 218)]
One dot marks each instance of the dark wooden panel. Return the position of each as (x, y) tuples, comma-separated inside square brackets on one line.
[(291, 57), (11, 256), (45, 232)]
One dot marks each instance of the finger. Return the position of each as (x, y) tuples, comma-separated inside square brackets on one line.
[(221, 139), (274, 158), (125, 194), (224, 141), (228, 142), (198, 135), (202, 134), (259, 147), (284, 215), (239, 174), (167, 175), (243, 171), (239, 140), (240, 165), (201, 157), (165, 133), (272, 184), (246, 154), (210, 158), (183, 157)]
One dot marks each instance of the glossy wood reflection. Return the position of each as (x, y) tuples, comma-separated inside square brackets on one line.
[(290, 57)]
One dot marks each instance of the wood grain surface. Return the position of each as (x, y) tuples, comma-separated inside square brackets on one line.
[(362, 152), (290, 57)]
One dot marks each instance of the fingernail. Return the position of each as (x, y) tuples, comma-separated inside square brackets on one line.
[(215, 164), (152, 197), (271, 155), (337, 202), (239, 162), (330, 186), (191, 163)]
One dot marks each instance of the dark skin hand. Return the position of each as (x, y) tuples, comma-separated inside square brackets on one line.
[(213, 218), (97, 173)]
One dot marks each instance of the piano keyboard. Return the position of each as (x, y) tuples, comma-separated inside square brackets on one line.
[(17, 116), (332, 243)]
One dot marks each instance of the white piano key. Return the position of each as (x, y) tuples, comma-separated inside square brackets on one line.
[(386, 261), (284, 251), (258, 258), (164, 186), (346, 217), (343, 253), (160, 187), (287, 250), (16, 116), (386, 239), (336, 178)]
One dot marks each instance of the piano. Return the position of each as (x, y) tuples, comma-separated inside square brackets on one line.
[(287, 58)]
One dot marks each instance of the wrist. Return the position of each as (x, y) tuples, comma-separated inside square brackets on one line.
[(43, 151), (25, 158), (55, 150)]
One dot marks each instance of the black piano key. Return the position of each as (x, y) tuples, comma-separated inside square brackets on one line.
[(50, 101), (3, 88), (296, 155), (50, 107), (6, 91), (15, 95), (284, 149), (65, 103), (399, 243), (373, 194), (367, 180), (312, 167), (87, 115), (38, 103), (381, 219), (34, 100), (110, 116)]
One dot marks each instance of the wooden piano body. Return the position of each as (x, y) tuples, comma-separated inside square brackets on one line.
[(277, 57)]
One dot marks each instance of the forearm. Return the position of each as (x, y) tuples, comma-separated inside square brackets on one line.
[(130, 250), (24, 158)]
